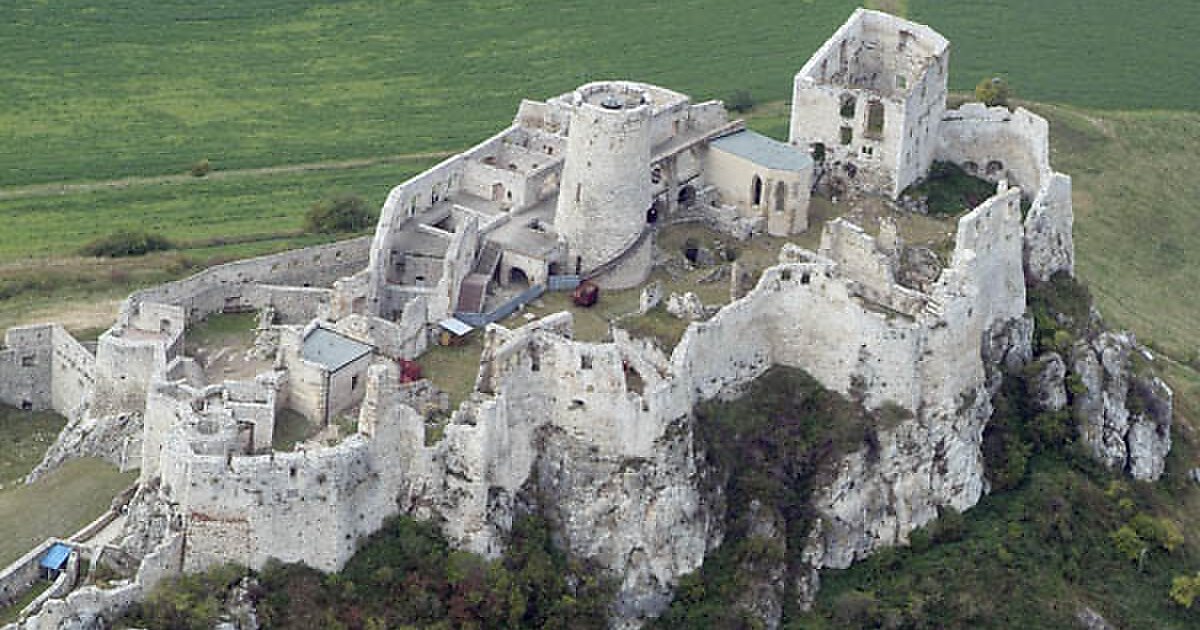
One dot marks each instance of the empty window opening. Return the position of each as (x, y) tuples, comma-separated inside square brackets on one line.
[(849, 101), (497, 191), (875, 119), (535, 361), (652, 214), (868, 151), (656, 175), (576, 404), (634, 381), (780, 196), (578, 265), (585, 362), (26, 405), (28, 361), (354, 383), (970, 167), (847, 135), (805, 278), (995, 167), (578, 192), (818, 152), (756, 191)]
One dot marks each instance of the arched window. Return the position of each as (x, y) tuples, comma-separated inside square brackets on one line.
[(756, 191)]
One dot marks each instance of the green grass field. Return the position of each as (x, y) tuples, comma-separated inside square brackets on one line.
[(95, 90), (27, 434), (57, 505), (190, 213)]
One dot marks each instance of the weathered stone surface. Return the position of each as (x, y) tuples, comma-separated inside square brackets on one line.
[(1134, 440), (115, 439), (686, 306), (1048, 385), (650, 297)]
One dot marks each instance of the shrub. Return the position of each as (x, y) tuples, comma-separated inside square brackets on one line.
[(993, 91), (1185, 589), (347, 213), (1161, 531), (126, 243), (201, 168), (741, 101), (1127, 543)]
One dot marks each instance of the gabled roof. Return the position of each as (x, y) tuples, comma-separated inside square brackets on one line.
[(332, 350), (764, 151)]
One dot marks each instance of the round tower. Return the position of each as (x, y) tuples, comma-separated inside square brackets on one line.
[(606, 190)]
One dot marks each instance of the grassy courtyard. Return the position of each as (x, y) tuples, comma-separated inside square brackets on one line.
[(58, 504)]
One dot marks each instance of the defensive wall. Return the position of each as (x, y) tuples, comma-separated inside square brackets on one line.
[(44, 367)]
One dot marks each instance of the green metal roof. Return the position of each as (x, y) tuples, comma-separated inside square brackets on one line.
[(764, 151)]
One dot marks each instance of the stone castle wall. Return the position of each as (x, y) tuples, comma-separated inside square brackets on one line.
[(44, 367), (998, 144), (233, 285)]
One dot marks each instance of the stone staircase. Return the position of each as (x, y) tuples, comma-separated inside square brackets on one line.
[(473, 292)]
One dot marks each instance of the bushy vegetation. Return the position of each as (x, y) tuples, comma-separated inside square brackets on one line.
[(127, 243), (345, 213), (767, 449), (993, 91), (1061, 309), (189, 602), (405, 575), (201, 168), (949, 190), (741, 101)]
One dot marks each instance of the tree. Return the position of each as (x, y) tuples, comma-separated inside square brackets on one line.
[(347, 213), (993, 91)]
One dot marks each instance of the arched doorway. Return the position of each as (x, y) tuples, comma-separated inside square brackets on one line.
[(517, 278), (756, 191), (687, 196)]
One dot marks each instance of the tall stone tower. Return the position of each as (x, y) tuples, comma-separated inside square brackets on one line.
[(606, 189)]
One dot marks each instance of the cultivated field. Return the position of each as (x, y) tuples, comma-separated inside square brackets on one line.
[(98, 90)]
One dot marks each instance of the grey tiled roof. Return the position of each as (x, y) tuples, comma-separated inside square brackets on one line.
[(331, 350), (764, 151)]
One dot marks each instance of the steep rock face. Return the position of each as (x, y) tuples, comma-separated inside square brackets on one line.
[(645, 519), (1124, 417), (878, 496), (1048, 385), (116, 439)]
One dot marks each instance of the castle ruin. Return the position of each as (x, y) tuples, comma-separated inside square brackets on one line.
[(577, 189)]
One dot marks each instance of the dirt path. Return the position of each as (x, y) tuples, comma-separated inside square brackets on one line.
[(49, 190)]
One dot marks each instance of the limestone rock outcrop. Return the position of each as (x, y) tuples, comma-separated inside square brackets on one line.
[(641, 518), (116, 439), (1124, 416), (1048, 385)]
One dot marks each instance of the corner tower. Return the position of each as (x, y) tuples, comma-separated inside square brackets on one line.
[(606, 188)]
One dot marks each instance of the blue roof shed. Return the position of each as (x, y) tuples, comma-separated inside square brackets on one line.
[(56, 556)]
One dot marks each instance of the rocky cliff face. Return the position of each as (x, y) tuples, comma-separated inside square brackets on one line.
[(116, 439), (1124, 414), (645, 519)]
